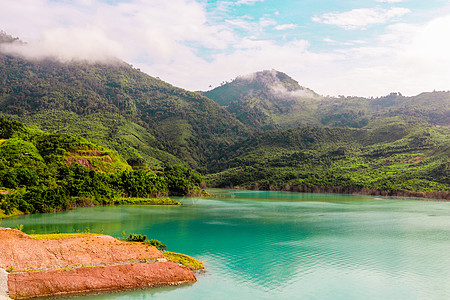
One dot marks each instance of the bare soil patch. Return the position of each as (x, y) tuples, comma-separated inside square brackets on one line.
[(83, 263)]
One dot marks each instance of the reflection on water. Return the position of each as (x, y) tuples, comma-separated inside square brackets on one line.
[(260, 245)]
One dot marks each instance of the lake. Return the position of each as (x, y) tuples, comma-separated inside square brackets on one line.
[(266, 245)]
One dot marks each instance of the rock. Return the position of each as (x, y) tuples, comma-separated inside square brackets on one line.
[(4, 285)]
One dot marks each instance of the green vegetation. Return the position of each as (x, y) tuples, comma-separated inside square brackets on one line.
[(268, 100), (13, 213), (10, 269), (397, 159), (43, 172), (138, 238), (148, 121), (264, 131), (272, 100), (59, 236), (146, 201), (400, 146), (185, 260), (157, 244)]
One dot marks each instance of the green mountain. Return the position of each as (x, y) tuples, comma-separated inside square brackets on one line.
[(267, 100), (118, 106), (265, 131), (23, 147), (44, 172), (272, 100), (432, 108), (394, 159)]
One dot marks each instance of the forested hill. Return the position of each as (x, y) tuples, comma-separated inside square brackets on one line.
[(272, 100), (270, 132), (116, 105), (430, 107), (396, 159), (44, 172), (267, 100)]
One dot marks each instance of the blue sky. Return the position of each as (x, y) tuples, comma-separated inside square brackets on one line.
[(335, 47)]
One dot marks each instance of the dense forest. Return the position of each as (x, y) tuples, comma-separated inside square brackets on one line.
[(44, 172), (117, 106), (264, 131), (273, 100), (395, 159)]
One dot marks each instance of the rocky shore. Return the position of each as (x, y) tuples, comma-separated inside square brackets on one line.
[(80, 263)]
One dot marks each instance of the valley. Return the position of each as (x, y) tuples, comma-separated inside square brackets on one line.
[(260, 131)]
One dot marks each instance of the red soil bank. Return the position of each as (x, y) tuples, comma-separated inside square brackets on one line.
[(64, 266), (59, 282)]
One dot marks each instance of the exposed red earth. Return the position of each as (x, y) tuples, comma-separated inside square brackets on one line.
[(69, 264)]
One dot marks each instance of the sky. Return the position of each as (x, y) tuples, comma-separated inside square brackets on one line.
[(334, 47)]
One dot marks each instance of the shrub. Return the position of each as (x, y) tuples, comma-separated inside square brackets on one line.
[(136, 238), (158, 245)]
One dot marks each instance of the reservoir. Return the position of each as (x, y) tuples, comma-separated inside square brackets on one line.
[(266, 245)]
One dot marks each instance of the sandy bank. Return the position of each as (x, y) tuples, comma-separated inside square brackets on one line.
[(82, 263)]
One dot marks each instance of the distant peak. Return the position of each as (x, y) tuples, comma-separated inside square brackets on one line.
[(6, 38), (266, 75), (277, 83)]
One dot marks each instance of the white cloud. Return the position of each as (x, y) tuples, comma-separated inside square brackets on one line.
[(349, 43), (361, 18), (285, 26), (390, 1), (408, 58), (248, 2), (280, 90), (84, 43), (152, 29), (330, 41), (165, 39), (264, 22), (244, 23)]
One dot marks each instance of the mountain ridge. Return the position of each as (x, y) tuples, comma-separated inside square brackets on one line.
[(269, 100), (266, 100), (167, 119), (274, 134)]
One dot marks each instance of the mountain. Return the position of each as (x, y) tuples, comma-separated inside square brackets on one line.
[(25, 148), (272, 100), (388, 145), (432, 108), (267, 100), (115, 105), (44, 172), (265, 131), (396, 159)]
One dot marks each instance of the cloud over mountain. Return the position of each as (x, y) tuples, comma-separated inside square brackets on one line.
[(194, 44)]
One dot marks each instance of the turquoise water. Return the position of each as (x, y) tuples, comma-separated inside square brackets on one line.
[(266, 245)]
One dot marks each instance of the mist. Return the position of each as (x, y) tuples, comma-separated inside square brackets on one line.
[(279, 90), (65, 45)]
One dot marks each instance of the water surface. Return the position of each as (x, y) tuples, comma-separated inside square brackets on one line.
[(261, 245)]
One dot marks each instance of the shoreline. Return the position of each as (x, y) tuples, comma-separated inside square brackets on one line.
[(437, 196), (68, 264), (117, 202)]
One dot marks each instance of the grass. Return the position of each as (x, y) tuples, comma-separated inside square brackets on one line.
[(185, 260), (14, 213), (146, 201), (59, 236)]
